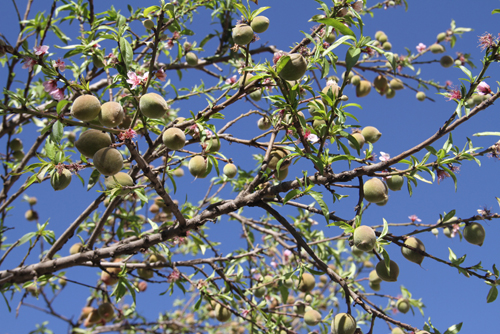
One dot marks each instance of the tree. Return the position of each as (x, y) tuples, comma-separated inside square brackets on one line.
[(314, 247)]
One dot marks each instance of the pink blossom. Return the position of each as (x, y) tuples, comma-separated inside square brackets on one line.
[(160, 74), (29, 63), (483, 88), (170, 44), (448, 83), (174, 276), (136, 80), (273, 264), (60, 64), (127, 134), (454, 95), (486, 41), (343, 12), (455, 230), (421, 47), (41, 50), (176, 35), (311, 137), (414, 218), (278, 55), (50, 85), (384, 156), (357, 6), (441, 174), (231, 80), (369, 51), (287, 254), (57, 94), (96, 46), (244, 313)]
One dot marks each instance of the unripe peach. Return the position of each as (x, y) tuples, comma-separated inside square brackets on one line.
[(441, 36), (16, 144), (247, 79), (179, 172), (92, 141), (119, 179), (75, 249), (153, 105), (197, 166), (145, 273), (276, 156), (380, 83), (378, 34), (60, 181), (446, 61), (18, 155), (106, 311), (364, 88), (221, 313), (420, 96), (260, 291), (355, 80), (396, 84), (397, 330), (381, 37), (213, 145), (356, 251), (156, 258), (256, 95), (334, 89), (174, 138), (422, 332), (373, 277), (192, 58), (264, 123), (371, 134), (312, 317), (295, 68), (384, 274), (359, 138), (230, 170), (474, 233), (93, 318), (108, 161), (364, 238), (62, 281), (86, 310), (242, 34), (142, 286), (86, 108), (375, 191), (110, 277), (31, 215), (260, 24), (395, 182), (307, 283), (387, 46), (403, 305), (32, 200), (148, 24), (330, 38), (390, 93), (437, 48), (111, 114), (281, 174), (343, 323), (374, 286)]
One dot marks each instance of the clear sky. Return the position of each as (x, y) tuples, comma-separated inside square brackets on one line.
[(404, 122)]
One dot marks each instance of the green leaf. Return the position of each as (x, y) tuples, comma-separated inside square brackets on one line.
[(384, 230), (57, 131), (351, 58), (291, 195), (324, 208), (150, 9), (93, 179), (454, 329), (60, 105), (492, 294), (25, 238), (126, 51), (452, 256), (488, 133), (495, 11), (339, 26), (281, 63)]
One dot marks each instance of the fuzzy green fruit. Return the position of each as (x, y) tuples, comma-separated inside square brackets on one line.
[(422, 332), (276, 156), (16, 144), (264, 123), (371, 134), (356, 251), (256, 95), (178, 172), (153, 105), (145, 273), (330, 38), (364, 88), (213, 145), (93, 317), (437, 48), (343, 323), (192, 58), (242, 34), (148, 24), (197, 166), (359, 138), (390, 93), (92, 141), (221, 313), (364, 238), (295, 68), (375, 190), (355, 80), (31, 215), (317, 123), (111, 114), (378, 34), (412, 255), (397, 330), (307, 283), (446, 61), (382, 38), (281, 174), (108, 161), (380, 83), (421, 96), (106, 311), (119, 179), (384, 274), (230, 170), (396, 84), (330, 89), (387, 46), (373, 277), (174, 138), (395, 182), (260, 24), (75, 249), (474, 233), (60, 181), (312, 317), (441, 36), (86, 108), (260, 291), (374, 286), (247, 79), (403, 305)]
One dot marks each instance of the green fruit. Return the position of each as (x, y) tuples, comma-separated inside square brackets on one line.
[(281, 174), (108, 161), (390, 93), (97, 61), (371, 134), (437, 48), (387, 46), (441, 36), (382, 38), (458, 62), (31, 215), (343, 323), (330, 38), (75, 249), (92, 141), (145, 273), (197, 166), (380, 83), (230, 170), (242, 34), (110, 277), (374, 286), (384, 274), (403, 305), (299, 307), (16, 144), (307, 283), (397, 330), (174, 138), (364, 238), (60, 181), (330, 89), (396, 84), (375, 190), (312, 317), (318, 122), (93, 317), (446, 61), (256, 95), (119, 179), (412, 255), (264, 123), (221, 313), (359, 138), (474, 233), (383, 203), (260, 24), (363, 88), (148, 24), (153, 105), (355, 80), (395, 182), (86, 108), (111, 114), (422, 332), (260, 291), (18, 155), (106, 311), (213, 145), (378, 34), (288, 283), (295, 68), (179, 172), (356, 251), (192, 58), (420, 96), (276, 156), (247, 79), (373, 277)]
